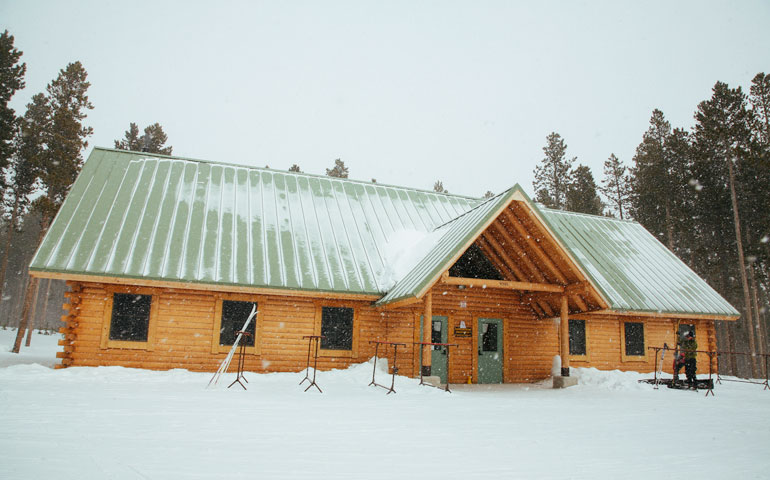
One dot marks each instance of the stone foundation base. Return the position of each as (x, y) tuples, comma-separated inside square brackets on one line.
[(564, 382)]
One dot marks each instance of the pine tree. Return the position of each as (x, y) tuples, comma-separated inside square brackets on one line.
[(339, 170), (581, 192), (11, 79), (153, 140), (552, 176), (616, 185), (723, 147), (759, 96), (21, 175), (295, 168), (652, 201), (57, 139), (439, 187), (488, 194)]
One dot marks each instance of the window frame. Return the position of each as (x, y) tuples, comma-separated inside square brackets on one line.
[(586, 357), (353, 352), (152, 321), (633, 358), (217, 322)]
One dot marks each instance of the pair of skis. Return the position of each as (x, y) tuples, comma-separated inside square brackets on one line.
[(226, 362), (660, 368)]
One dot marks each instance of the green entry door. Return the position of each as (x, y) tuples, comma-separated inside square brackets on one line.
[(438, 354), (490, 350)]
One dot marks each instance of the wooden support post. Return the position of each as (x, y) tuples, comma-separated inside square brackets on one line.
[(564, 327), (427, 331)]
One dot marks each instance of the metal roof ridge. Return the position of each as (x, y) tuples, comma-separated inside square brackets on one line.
[(474, 208), (582, 214), (286, 172)]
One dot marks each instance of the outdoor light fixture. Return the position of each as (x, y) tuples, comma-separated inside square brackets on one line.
[(461, 287)]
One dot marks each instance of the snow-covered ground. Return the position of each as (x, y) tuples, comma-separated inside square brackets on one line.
[(118, 423)]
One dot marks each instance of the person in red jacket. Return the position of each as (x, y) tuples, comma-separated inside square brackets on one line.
[(687, 358)]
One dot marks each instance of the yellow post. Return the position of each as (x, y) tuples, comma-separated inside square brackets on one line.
[(564, 326), (427, 330)]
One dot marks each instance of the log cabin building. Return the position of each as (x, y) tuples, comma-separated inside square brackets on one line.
[(165, 257)]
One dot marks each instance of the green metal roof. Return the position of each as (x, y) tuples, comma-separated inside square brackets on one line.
[(154, 217), (144, 216), (631, 268)]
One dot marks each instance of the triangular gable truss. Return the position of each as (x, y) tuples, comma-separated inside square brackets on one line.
[(508, 231)]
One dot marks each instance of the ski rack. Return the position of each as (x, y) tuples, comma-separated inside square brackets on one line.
[(710, 383), (241, 362), (448, 368), (395, 368), (669, 383), (226, 362), (766, 356), (311, 340)]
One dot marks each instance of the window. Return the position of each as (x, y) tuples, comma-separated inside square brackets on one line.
[(684, 328), (337, 328), (234, 314), (489, 337), (577, 337), (130, 320), (436, 333), (634, 338), (230, 313)]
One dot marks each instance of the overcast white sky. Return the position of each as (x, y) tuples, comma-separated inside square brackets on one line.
[(406, 92)]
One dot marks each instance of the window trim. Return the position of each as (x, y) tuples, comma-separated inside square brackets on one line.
[(217, 322), (587, 356), (152, 321), (353, 352), (633, 358)]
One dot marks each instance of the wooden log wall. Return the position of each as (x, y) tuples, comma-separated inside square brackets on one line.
[(604, 343), (184, 331), (185, 323)]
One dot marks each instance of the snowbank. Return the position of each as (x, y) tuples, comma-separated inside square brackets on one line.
[(121, 423)]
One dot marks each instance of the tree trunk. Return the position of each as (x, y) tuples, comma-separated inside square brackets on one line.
[(31, 293), (6, 254), (742, 269), (761, 339), (728, 326), (31, 325), (47, 300)]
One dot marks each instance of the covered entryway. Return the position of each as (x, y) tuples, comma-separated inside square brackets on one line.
[(490, 361)]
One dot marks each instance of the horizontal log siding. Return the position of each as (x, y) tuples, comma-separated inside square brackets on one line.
[(185, 324), (605, 343), (184, 330)]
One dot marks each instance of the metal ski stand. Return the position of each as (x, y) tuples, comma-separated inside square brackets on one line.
[(395, 369), (311, 340), (659, 370), (702, 384), (241, 362), (765, 356), (226, 362), (448, 368)]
